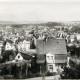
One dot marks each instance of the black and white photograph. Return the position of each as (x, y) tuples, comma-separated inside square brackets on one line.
[(39, 39)]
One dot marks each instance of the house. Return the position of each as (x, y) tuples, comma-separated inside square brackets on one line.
[(51, 54), (61, 34), (73, 37), (9, 45), (23, 45), (78, 36), (8, 50), (1, 45), (19, 57), (50, 60), (23, 56)]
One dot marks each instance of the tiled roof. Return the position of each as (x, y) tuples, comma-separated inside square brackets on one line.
[(60, 58), (30, 51), (40, 61), (25, 56), (60, 61), (41, 58), (56, 46)]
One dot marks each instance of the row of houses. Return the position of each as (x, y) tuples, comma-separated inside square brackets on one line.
[(50, 54)]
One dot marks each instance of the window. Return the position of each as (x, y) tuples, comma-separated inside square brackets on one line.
[(51, 68), (18, 56), (48, 57), (51, 57)]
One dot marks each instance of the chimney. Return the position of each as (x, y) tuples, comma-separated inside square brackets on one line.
[(46, 38)]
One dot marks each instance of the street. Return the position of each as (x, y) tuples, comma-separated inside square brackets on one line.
[(46, 78)]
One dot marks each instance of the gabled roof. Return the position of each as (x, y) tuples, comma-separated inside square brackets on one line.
[(56, 46), (18, 57), (24, 56)]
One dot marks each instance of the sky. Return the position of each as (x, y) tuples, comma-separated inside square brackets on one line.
[(39, 11)]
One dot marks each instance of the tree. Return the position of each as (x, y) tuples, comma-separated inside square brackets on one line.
[(32, 45), (71, 73), (7, 55)]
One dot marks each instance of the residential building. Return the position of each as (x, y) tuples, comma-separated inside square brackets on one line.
[(23, 45), (78, 36), (1, 45), (18, 57), (9, 45), (51, 54)]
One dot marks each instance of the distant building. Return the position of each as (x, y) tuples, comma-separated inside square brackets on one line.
[(23, 45), (78, 36), (1, 43), (72, 37), (9, 45), (58, 27), (51, 54), (61, 34)]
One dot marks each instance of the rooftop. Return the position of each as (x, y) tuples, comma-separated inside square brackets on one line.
[(56, 46)]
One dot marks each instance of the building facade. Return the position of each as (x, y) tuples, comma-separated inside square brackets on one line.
[(52, 53)]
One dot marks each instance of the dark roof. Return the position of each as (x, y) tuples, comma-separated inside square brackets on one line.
[(25, 56), (55, 46), (20, 40), (40, 58), (60, 58), (10, 41), (29, 52)]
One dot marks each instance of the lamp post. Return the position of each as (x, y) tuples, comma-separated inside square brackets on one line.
[(18, 65), (27, 64), (10, 69), (40, 69)]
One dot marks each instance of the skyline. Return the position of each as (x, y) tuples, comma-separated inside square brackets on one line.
[(39, 11)]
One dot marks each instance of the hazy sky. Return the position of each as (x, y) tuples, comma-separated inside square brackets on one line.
[(39, 11)]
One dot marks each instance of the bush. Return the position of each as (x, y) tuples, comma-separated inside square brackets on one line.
[(38, 75), (50, 74), (8, 77), (1, 77), (31, 75)]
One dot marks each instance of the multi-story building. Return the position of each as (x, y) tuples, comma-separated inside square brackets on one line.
[(51, 54)]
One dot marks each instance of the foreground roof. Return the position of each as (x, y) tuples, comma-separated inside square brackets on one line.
[(56, 46)]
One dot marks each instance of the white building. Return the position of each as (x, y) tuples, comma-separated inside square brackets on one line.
[(9, 45), (50, 59)]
